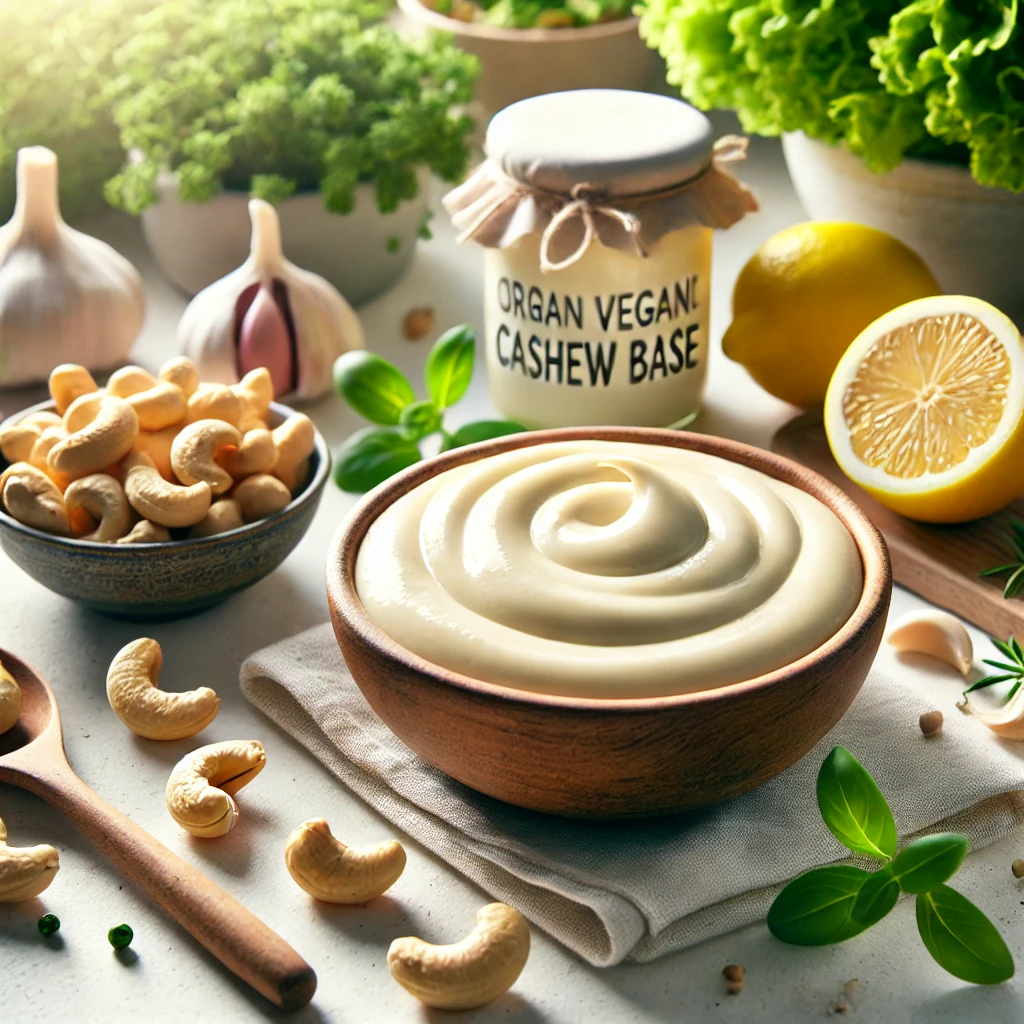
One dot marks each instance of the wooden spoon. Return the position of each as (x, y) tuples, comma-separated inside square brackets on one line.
[(32, 757)]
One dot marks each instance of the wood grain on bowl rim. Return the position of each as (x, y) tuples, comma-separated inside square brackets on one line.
[(629, 756)]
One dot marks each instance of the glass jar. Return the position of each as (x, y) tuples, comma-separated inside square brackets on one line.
[(597, 209)]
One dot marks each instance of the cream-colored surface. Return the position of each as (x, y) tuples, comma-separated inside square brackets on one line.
[(646, 319), (607, 569)]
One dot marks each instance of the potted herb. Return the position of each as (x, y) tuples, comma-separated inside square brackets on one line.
[(313, 105), (530, 47), (54, 61), (902, 116)]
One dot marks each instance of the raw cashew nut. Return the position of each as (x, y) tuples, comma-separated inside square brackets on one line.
[(194, 451), (68, 382), (82, 411), (102, 498), (256, 390), (10, 701), (214, 402), (34, 499), (469, 973), (133, 689), (40, 454), (157, 445), (201, 786), (104, 441), (295, 440), (18, 439), (145, 532), (157, 499), (181, 371), (256, 454), (224, 515), (160, 406), (260, 496), (25, 871), (42, 419), (331, 871), (130, 380)]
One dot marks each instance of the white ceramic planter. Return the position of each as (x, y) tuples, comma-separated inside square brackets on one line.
[(194, 244), (970, 236), (516, 63)]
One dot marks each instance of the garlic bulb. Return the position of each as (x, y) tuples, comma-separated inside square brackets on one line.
[(269, 313), (64, 296)]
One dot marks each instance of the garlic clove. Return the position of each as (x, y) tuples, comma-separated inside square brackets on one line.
[(1007, 721), (265, 340), (936, 634), (64, 296), (269, 313)]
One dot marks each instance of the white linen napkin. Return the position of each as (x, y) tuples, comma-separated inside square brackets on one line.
[(639, 889)]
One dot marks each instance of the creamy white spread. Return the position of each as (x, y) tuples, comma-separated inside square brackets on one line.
[(608, 569)]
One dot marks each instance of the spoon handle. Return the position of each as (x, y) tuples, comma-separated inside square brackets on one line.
[(233, 934)]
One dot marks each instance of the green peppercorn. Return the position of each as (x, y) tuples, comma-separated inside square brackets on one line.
[(120, 937), (49, 925)]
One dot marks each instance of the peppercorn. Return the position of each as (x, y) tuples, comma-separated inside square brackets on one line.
[(931, 723), (1017, 867), (120, 937), (418, 323), (49, 925), (734, 976)]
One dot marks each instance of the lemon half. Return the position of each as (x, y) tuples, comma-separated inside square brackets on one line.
[(924, 410)]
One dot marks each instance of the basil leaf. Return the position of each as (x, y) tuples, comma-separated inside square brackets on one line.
[(816, 909), (853, 806), (450, 365), (419, 419), (877, 896), (961, 938), (372, 386), (482, 430), (928, 862), (372, 455)]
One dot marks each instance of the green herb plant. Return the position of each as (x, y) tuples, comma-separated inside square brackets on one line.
[(533, 13), (835, 903), (1014, 571), (889, 78), (379, 391), (273, 97), (1011, 669)]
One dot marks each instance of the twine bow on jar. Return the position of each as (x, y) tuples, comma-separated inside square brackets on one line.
[(586, 205)]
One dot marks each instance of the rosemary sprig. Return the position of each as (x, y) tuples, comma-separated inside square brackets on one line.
[(1015, 582), (1012, 668)]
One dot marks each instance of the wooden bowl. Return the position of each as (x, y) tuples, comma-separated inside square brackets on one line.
[(168, 580), (589, 757)]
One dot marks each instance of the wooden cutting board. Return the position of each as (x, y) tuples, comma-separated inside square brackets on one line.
[(940, 563)]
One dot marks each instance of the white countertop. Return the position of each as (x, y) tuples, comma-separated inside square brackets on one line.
[(79, 979)]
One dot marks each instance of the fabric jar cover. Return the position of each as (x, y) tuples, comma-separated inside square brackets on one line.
[(625, 168)]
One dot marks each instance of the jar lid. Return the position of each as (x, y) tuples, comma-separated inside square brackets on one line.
[(620, 143)]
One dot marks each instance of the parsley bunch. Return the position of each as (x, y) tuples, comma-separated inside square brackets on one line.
[(277, 96)]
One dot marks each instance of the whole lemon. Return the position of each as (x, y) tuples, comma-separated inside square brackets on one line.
[(807, 293)]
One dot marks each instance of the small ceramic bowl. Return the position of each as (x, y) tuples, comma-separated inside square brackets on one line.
[(171, 580), (597, 758), (516, 63)]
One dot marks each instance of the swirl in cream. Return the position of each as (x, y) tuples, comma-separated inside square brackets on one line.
[(608, 569)]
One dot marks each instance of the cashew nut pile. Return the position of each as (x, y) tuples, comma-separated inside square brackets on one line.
[(200, 790), (133, 690), (468, 973), (10, 701), (335, 873), (25, 871), (145, 456)]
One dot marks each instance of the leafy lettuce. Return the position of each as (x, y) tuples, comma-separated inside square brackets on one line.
[(941, 78)]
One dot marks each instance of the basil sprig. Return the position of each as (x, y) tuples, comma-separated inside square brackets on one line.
[(381, 393), (835, 903)]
